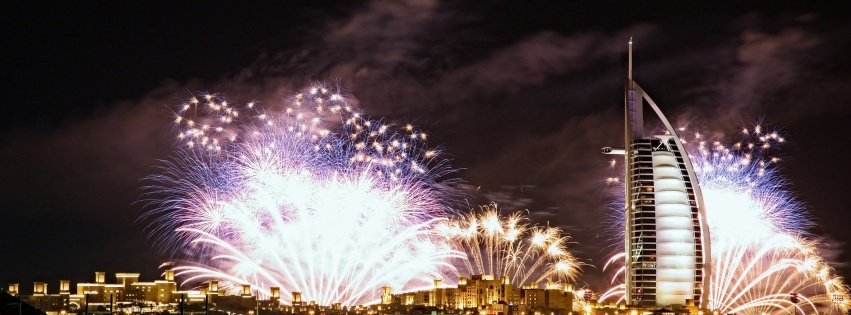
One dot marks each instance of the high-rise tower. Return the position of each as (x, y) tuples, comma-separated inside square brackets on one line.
[(666, 237)]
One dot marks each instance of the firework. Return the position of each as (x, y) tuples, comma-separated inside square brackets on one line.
[(311, 196), (761, 250), (509, 246), (760, 244)]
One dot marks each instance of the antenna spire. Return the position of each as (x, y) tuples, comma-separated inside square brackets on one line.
[(629, 73)]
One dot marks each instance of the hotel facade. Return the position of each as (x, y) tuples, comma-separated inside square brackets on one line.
[(667, 252)]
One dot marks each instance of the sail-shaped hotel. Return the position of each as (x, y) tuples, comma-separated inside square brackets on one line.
[(667, 237)]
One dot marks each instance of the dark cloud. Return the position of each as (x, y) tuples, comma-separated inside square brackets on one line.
[(765, 64), (384, 34), (79, 164)]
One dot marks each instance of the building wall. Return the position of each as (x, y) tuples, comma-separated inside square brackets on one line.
[(127, 290), (49, 303), (663, 235), (490, 296)]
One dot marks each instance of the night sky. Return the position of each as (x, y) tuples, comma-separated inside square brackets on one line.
[(522, 96)]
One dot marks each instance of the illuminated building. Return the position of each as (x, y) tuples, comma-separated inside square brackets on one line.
[(487, 295), (386, 297), (667, 237), (99, 294), (551, 297), (476, 294), (13, 289), (158, 291), (482, 290)]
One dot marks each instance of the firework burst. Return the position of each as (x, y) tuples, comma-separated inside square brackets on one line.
[(761, 250), (509, 246), (310, 197)]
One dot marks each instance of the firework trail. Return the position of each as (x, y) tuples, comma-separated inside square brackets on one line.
[(311, 197), (508, 246), (761, 250)]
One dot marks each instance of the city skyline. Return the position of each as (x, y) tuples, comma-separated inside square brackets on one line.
[(85, 133), (483, 293)]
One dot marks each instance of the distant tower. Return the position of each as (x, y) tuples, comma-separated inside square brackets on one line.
[(667, 237), (168, 275), (39, 288), (386, 298), (275, 293), (296, 299), (64, 286)]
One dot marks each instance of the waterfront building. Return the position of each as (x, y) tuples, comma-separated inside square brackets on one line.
[(667, 238)]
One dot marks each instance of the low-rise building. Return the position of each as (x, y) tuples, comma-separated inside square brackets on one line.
[(100, 296), (483, 294)]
